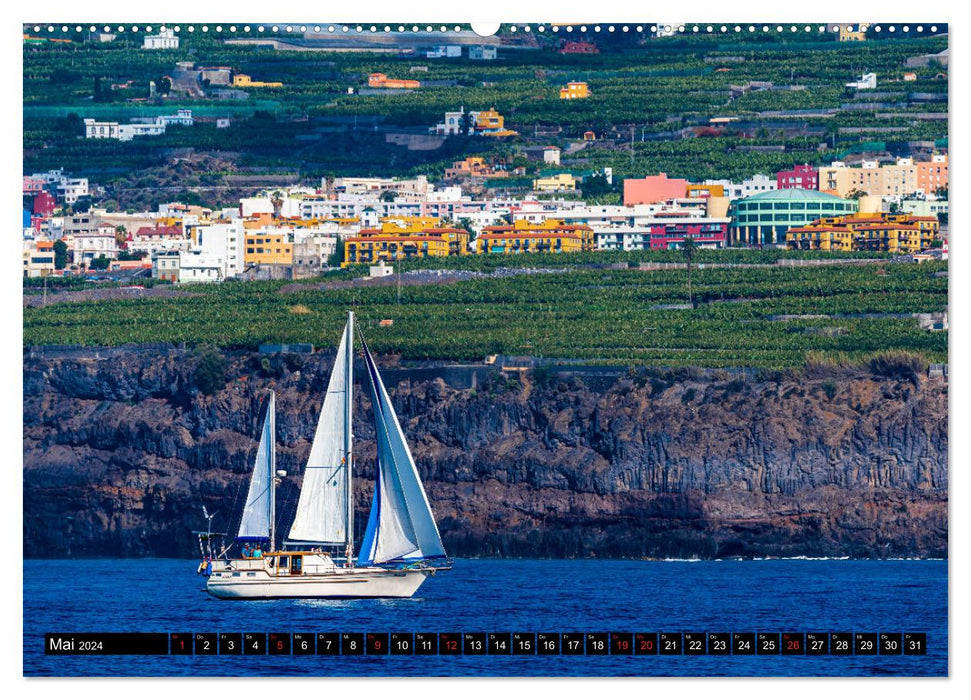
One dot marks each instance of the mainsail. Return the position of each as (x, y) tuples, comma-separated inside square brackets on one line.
[(401, 525), (257, 520), (322, 510)]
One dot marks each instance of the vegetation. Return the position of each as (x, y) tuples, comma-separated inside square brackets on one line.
[(764, 317), (649, 108)]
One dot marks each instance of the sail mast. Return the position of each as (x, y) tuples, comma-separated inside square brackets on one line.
[(348, 435), (272, 463)]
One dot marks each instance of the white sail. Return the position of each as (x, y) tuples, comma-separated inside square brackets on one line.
[(257, 520), (401, 525), (322, 510)]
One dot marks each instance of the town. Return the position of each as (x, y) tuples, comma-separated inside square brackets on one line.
[(297, 231)]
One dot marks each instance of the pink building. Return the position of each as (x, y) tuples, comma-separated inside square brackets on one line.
[(804, 177), (653, 189)]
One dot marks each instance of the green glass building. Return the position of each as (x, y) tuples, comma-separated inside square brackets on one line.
[(764, 218)]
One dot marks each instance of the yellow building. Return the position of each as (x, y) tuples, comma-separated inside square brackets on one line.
[(704, 191), (406, 225), (556, 183), (894, 233), (489, 122), (892, 237), (552, 235), (575, 91), (820, 237), (268, 249), (847, 33), (243, 80), (510, 242), (456, 238), (371, 249)]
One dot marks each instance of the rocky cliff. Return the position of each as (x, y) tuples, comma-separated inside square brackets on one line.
[(122, 451)]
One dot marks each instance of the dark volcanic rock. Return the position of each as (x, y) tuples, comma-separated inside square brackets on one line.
[(121, 453)]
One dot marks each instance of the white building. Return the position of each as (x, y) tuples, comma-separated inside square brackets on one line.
[(94, 244), (154, 126), (551, 155), (483, 53), (70, 189), (746, 188), (94, 129), (220, 244), (165, 39), (196, 266), (448, 51), (867, 81), (924, 207)]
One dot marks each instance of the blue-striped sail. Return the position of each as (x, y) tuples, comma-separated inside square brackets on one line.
[(401, 526)]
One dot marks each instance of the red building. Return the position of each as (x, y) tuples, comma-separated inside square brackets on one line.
[(803, 177), (708, 234), (44, 203)]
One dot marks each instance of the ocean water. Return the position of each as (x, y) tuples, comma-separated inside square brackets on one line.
[(164, 595)]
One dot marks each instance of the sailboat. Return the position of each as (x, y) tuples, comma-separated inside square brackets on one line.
[(401, 546)]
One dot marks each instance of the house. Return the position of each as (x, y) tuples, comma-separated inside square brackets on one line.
[(910, 77), (38, 258), (846, 33), (482, 53), (576, 90), (165, 39), (449, 51), (487, 122), (551, 155), (380, 80), (589, 136), (559, 182), (94, 244), (243, 80), (867, 81), (165, 265), (581, 47)]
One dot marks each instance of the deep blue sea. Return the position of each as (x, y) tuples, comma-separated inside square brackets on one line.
[(163, 595)]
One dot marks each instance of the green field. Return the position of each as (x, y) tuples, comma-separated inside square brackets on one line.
[(594, 315)]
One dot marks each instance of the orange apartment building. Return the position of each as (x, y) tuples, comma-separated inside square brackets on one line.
[(895, 233), (552, 235), (380, 80)]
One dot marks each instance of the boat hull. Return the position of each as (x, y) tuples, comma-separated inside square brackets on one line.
[(351, 583)]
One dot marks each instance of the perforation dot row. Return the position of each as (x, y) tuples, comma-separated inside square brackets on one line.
[(402, 29)]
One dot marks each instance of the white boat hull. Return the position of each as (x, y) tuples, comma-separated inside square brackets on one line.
[(342, 583)]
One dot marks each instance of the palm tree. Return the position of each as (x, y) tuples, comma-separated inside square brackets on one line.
[(688, 249)]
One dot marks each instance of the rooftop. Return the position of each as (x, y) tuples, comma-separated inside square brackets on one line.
[(793, 195)]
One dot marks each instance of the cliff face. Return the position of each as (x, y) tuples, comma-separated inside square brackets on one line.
[(121, 453)]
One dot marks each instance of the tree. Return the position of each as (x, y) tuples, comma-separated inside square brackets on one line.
[(688, 249), (337, 257), (100, 263), (596, 186), (466, 124), (210, 373), (60, 254), (388, 196)]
